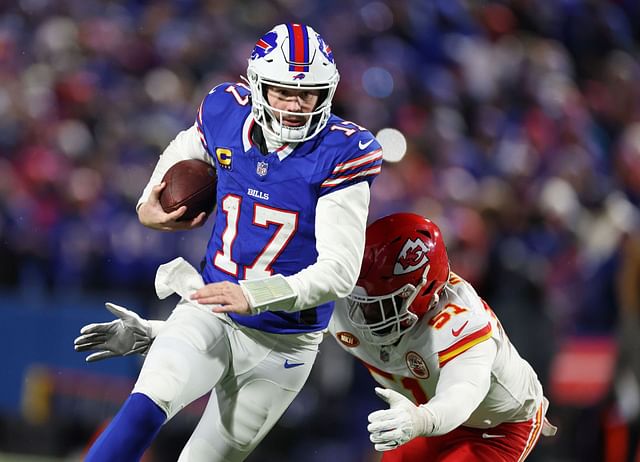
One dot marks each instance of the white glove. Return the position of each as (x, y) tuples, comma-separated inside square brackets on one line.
[(125, 336), (402, 422)]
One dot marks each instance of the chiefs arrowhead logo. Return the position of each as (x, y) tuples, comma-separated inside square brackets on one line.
[(417, 365), (412, 256)]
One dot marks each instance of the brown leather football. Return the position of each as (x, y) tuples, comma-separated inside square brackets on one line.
[(192, 183)]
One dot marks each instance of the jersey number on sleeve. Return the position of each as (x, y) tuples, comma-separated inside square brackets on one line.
[(242, 100), (444, 316), (263, 216), (347, 127)]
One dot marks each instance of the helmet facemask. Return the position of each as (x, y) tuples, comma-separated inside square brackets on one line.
[(383, 319), (271, 119)]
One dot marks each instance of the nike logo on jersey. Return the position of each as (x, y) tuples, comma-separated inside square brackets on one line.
[(456, 332), (488, 435), (363, 146), (288, 365)]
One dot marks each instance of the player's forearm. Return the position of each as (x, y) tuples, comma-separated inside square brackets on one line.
[(444, 415), (462, 386), (186, 145), (341, 219)]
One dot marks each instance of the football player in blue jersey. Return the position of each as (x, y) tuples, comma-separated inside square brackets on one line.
[(292, 201)]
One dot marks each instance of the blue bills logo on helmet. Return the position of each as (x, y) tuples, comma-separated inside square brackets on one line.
[(265, 45), (325, 49)]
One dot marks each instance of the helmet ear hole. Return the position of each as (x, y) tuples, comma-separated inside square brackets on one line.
[(428, 289), (322, 97)]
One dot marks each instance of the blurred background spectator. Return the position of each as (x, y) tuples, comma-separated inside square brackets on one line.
[(513, 124)]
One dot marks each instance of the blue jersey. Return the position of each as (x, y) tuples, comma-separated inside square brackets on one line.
[(265, 214)]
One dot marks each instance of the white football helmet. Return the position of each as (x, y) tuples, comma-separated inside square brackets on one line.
[(292, 56)]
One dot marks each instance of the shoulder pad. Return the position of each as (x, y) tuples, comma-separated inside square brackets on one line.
[(220, 96), (357, 155), (459, 322)]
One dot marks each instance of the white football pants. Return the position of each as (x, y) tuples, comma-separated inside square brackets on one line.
[(254, 376)]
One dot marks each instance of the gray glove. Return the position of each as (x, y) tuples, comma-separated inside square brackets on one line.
[(130, 334)]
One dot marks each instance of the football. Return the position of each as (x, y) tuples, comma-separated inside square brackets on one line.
[(192, 183)]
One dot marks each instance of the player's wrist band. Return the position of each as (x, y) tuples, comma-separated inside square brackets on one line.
[(269, 294)]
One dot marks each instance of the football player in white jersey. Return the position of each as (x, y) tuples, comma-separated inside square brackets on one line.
[(456, 386)]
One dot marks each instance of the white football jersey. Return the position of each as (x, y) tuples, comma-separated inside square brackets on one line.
[(459, 321)]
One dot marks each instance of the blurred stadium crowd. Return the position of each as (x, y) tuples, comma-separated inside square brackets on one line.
[(522, 122)]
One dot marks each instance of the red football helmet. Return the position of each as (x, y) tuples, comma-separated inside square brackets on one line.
[(404, 268)]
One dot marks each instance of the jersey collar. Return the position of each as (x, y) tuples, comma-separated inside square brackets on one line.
[(249, 124)]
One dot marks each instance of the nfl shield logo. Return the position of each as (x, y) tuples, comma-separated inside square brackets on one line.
[(261, 168)]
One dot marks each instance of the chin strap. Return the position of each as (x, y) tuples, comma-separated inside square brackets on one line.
[(290, 132)]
